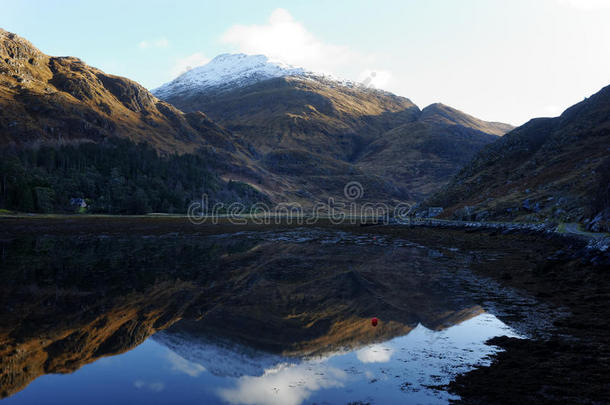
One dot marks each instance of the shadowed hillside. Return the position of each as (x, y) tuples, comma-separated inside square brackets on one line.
[(424, 154), (549, 168)]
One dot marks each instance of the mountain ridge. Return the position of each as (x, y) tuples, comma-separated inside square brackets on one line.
[(454, 116)]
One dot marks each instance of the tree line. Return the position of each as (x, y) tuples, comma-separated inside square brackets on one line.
[(113, 177)]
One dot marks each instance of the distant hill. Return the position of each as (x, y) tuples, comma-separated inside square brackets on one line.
[(549, 168), (424, 154)]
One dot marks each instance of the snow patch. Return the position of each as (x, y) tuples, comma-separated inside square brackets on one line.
[(229, 70)]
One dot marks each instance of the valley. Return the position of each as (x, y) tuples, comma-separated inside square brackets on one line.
[(248, 224)]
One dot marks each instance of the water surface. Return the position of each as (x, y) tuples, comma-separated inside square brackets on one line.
[(249, 318)]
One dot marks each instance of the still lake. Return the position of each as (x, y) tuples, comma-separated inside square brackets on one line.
[(275, 317)]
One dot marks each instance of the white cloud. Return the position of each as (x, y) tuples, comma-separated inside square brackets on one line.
[(284, 385), (287, 39), (154, 386), (185, 64), (158, 43), (184, 366), (375, 354)]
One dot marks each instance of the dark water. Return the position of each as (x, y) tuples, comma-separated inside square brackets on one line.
[(250, 318)]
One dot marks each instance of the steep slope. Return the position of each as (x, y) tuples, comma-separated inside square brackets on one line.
[(549, 168), (423, 155), (61, 99)]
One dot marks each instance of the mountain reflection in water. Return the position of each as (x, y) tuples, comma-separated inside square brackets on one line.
[(273, 317)]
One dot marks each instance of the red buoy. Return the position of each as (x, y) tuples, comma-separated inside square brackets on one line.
[(374, 321)]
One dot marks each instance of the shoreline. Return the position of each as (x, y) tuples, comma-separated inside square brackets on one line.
[(569, 232)]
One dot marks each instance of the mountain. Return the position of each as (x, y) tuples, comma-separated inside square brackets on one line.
[(549, 168), (289, 109), (423, 154), (316, 129)]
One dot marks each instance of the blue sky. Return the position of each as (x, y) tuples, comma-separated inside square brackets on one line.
[(498, 60)]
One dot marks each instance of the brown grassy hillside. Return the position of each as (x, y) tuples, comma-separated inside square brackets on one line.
[(319, 132), (317, 115), (62, 99)]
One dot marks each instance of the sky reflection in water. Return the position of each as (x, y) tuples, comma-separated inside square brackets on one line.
[(398, 370)]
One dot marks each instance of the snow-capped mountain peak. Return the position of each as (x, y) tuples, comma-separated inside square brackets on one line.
[(228, 71)]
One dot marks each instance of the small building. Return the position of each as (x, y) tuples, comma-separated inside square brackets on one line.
[(78, 202)]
